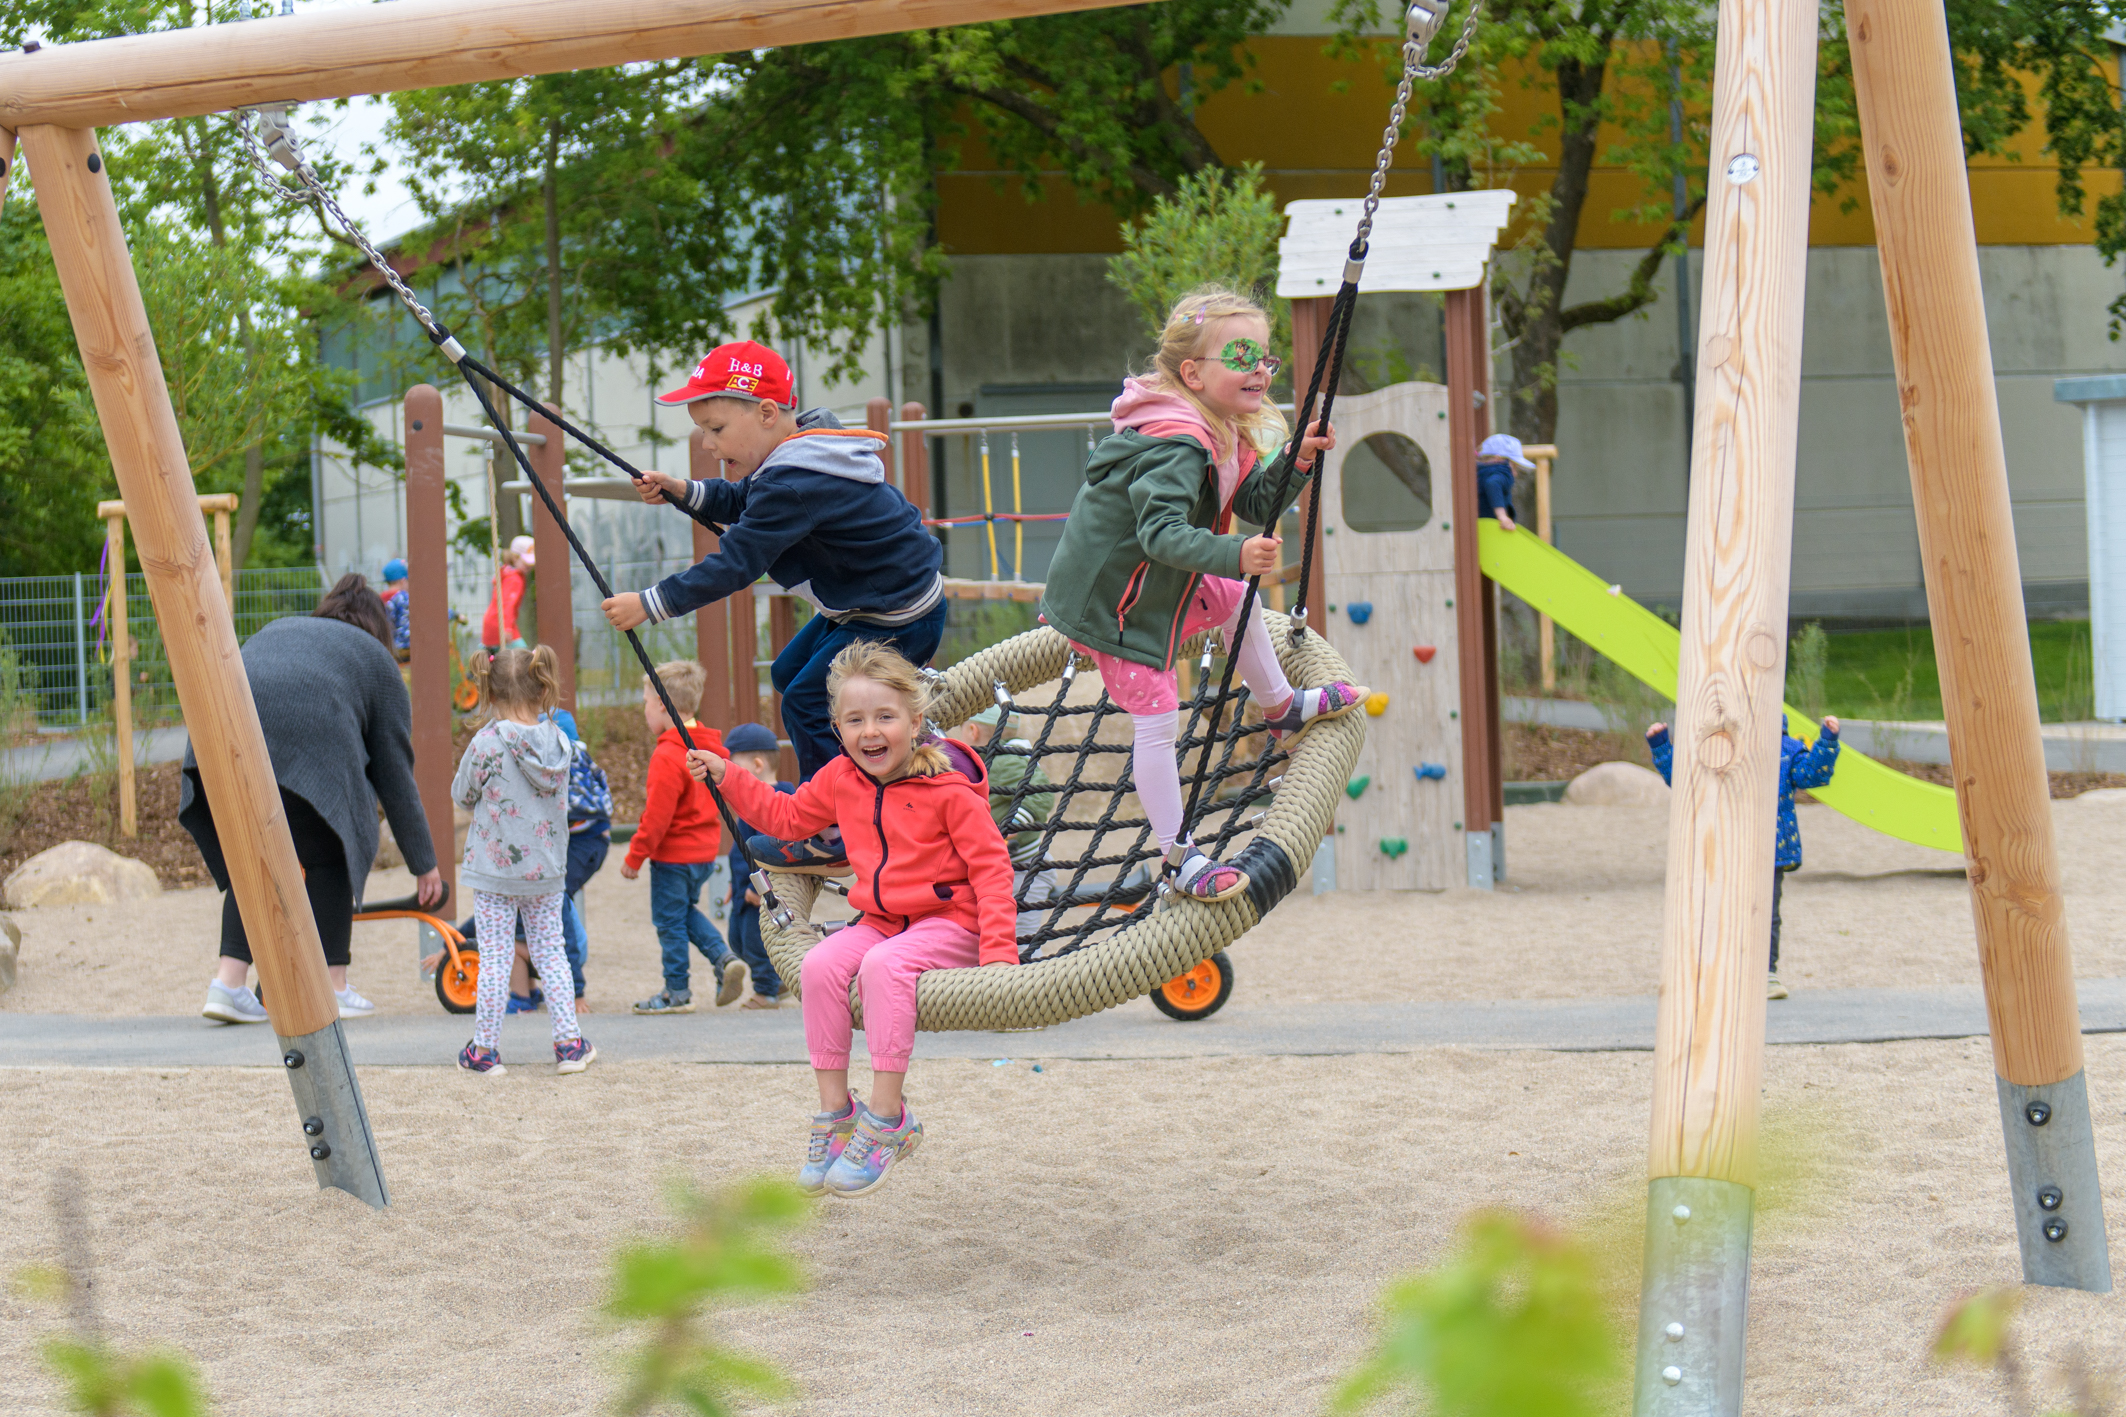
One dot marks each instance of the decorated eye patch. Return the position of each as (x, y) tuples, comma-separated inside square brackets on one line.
[(1243, 356)]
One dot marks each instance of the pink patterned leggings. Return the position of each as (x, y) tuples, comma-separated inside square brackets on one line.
[(495, 920)]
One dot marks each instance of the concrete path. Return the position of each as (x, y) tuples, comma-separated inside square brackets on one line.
[(60, 757), (1135, 1031)]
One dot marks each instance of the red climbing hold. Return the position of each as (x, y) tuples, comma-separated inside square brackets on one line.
[(1424, 653)]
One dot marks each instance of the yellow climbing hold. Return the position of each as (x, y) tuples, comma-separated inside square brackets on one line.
[(1376, 704)]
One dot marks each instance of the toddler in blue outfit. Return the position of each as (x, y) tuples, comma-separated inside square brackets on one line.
[(1801, 766)]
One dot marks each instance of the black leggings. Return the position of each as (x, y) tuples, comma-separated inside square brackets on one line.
[(324, 862)]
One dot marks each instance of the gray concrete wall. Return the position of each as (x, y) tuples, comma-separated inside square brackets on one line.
[(1025, 334), (1620, 484)]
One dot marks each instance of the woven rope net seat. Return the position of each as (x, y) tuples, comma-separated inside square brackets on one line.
[(1091, 931)]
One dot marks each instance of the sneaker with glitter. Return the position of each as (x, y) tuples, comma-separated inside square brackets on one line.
[(475, 1059), (830, 1133), (1311, 706), (573, 1055), (872, 1153), (1191, 873)]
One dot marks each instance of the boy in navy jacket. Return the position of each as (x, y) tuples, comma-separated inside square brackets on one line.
[(813, 511), (1801, 765), (1496, 458)]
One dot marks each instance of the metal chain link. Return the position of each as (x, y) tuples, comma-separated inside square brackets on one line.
[(281, 147), (1423, 21)]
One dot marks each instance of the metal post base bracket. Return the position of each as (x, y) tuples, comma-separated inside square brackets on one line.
[(2059, 1211), (1694, 1299), (335, 1125), (1481, 875)]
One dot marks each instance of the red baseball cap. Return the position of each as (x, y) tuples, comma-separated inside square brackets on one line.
[(744, 370)]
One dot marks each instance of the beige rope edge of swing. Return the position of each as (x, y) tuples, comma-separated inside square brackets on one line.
[(1148, 952)]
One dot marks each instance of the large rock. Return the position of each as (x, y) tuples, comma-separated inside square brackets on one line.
[(78, 873), (10, 951), (1617, 785)]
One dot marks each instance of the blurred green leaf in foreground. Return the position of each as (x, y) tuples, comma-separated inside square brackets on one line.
[(727, 1250), (1511, 1325)]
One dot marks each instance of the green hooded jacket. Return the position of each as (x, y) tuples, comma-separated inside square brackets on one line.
[(1139, 536)]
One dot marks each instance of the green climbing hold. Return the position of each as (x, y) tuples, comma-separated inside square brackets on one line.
[(1356, 787), (1393, 846)]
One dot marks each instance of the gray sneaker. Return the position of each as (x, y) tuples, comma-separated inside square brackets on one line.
[(733, 983), (665, 1001), (353, 1005), (226, 1005), (829, 1135)]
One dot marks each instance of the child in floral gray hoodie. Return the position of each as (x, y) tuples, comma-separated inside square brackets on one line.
[(514, 778)]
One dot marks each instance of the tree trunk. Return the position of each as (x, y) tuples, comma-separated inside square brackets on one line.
[(1533, 318), (555, 352)]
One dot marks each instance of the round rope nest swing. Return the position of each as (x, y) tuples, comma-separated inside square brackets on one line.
[(1097, 947)]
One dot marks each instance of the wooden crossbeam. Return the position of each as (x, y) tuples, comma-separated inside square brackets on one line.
[(425, 44)]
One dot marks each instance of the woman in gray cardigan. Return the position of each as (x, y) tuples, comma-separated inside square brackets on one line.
[(339, 730)]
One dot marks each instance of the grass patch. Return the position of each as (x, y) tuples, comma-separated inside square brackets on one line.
[(1891, 673)]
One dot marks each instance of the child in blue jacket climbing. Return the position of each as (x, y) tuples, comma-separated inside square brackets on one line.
[(1497, 457), (812, 510), (1801, 766)]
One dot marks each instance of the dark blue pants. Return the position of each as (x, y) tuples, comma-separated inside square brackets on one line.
[(800, 676), (586, 854), (1778, 880), (746, 940), (674, 889)]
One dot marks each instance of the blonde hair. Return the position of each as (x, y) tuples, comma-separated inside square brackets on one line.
[(520, 679), (1188, 336), (883, 664), (685, 680)]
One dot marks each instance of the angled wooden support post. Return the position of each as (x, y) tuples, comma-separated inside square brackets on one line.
[(556, 563), (428, 590), (1921, 195), (1716, 925), (148, 456)]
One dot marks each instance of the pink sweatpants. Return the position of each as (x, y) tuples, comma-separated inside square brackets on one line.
[(885, 968)]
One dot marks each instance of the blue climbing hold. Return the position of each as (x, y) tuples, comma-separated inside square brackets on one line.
[(1432, 772), (1360, 611)]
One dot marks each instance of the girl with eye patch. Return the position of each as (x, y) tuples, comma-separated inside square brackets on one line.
[(1148, 557)]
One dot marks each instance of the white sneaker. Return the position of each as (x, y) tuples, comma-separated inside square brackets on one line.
[(353, 1005), (238, 1005)]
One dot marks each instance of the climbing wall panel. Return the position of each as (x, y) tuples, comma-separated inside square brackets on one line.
[(1388, 556)]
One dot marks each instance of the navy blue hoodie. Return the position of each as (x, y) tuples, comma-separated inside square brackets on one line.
[(818, 517)]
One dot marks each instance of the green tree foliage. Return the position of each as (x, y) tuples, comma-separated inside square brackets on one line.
[(1220, 226), (220, 264), (1632, 81), (727, 1250), (1512, 1325)]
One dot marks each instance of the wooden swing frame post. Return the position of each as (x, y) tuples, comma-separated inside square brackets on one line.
[(147, 454), (1919, 186), (1709, 1031), (428, 589), (113, 517), (556, 605), (1475, 596), (722, 707)]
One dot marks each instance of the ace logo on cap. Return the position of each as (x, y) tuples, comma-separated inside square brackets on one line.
[(744, 370)]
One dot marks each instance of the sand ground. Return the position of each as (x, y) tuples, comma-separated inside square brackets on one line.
[(1197, 1236)]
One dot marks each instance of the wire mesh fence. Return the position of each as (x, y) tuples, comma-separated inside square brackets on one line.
[(56, 642)]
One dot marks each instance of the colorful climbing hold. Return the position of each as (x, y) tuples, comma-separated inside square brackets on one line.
[(1431, 772), (1424, 653), (1393, 846), (1356, 787), (1360, 611), (1376, 704)]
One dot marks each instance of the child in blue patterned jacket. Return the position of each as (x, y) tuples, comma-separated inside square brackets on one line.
[(1801, 766)]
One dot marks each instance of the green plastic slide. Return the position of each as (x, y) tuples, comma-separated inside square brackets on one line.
[(1647, 647)]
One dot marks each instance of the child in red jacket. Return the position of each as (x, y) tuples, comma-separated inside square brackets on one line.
[(933, 881), (680, 837)]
